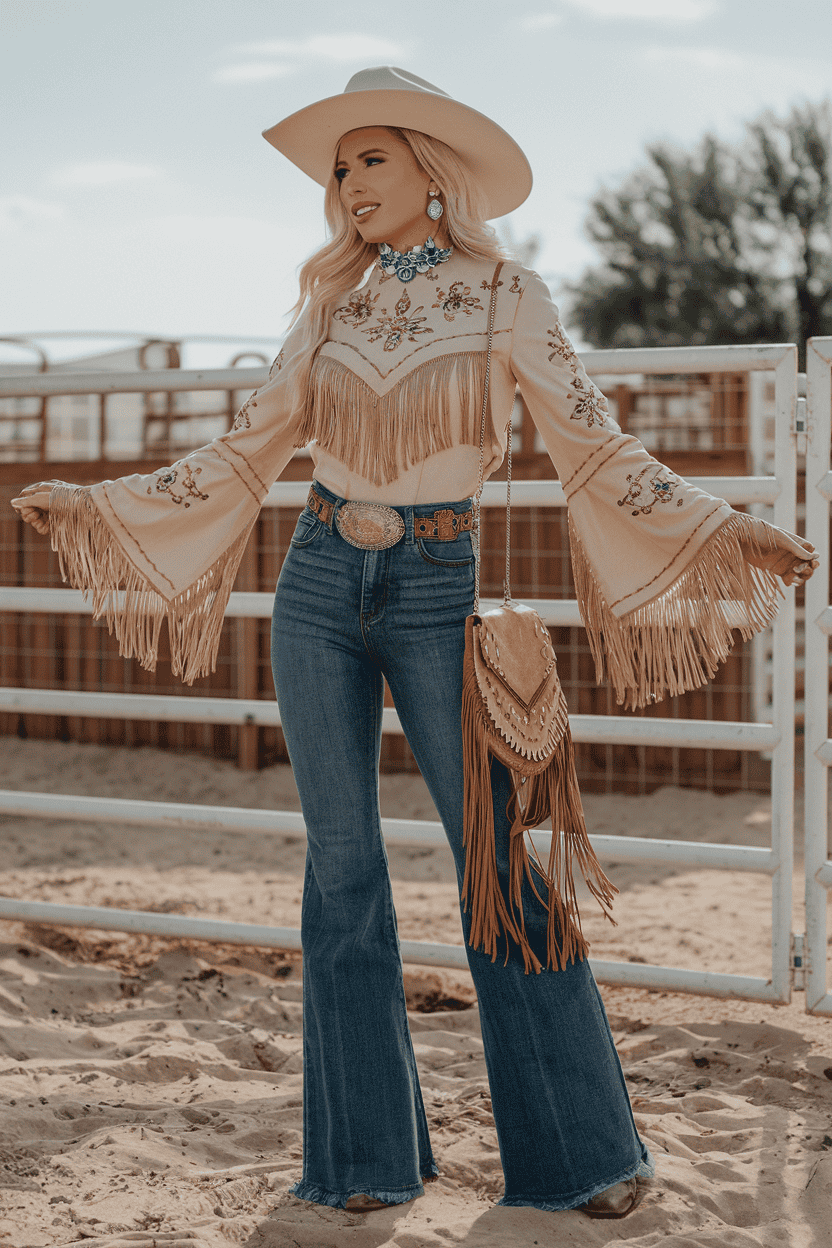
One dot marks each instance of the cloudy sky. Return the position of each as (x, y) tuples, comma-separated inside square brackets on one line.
[(136, 192)]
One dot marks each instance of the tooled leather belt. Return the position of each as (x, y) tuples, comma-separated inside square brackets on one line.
[(372, 526)]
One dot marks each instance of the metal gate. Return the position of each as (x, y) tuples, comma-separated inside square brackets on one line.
[(818, 745), (776, 736)]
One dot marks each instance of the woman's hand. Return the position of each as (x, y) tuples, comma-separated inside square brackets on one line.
[(33, 505), (790, 557)]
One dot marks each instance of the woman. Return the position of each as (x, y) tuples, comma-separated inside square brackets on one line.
[(384, 378)]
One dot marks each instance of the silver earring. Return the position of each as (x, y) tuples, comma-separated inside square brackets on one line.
[(434, 209)]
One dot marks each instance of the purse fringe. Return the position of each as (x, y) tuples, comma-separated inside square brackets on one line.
[(554, 793), (676, 642), (381, 436), (91, 559)]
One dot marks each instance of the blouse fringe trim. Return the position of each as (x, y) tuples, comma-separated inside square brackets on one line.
[(675, 642), (92, 560), (380, 436)]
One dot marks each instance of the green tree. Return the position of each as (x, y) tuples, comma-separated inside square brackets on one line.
[(719, 245), (790, 172)]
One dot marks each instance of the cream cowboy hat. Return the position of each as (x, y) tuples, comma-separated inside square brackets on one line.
[(386, 96)]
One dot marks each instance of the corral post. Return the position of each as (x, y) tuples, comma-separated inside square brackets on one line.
[(818, 748)]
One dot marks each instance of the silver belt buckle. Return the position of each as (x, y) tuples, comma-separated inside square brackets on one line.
[(369, 526)]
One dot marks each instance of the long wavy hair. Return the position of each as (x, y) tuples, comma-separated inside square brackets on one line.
[(340, 265)]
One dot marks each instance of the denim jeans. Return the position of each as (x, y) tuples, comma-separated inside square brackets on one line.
[(344, 618)]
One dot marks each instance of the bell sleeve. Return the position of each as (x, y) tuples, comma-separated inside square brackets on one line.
[(167, 545), (659, 571)]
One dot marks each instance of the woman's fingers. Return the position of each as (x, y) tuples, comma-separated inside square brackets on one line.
[(795, 573), (785, 554), (792, 569), (38, 487), (32, 504), (36, 499), (34, 509), (770, 536), (38, 519), (797, 545)]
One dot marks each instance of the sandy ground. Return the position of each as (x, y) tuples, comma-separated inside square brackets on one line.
[(150, 1090)]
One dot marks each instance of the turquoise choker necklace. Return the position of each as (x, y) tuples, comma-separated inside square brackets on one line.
[(418, 260)]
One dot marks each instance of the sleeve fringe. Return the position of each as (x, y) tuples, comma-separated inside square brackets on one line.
[(675, 642), (92, 560)]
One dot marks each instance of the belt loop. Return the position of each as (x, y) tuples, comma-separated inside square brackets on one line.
[(332, 515), (410, 536), (323, 510)]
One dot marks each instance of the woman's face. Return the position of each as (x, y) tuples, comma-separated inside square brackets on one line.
[(384, 189)]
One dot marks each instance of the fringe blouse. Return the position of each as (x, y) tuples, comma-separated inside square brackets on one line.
[(392, 415)]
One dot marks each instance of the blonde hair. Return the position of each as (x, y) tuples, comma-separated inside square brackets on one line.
[(340, 265)]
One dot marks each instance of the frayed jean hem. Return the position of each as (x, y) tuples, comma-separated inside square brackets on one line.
[(338, 1200), (645, 1168)]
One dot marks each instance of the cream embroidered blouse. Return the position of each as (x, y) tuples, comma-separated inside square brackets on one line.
[(393, 415)]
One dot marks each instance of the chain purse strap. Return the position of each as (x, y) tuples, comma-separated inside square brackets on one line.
[(485, 411)]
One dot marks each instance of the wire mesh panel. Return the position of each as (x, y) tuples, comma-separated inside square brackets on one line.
[(73, 652), (697, 423)]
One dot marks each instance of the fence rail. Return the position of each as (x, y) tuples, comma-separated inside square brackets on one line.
[(818, 746), (702, 734), (190, 817), (776, 737), (657, 360)]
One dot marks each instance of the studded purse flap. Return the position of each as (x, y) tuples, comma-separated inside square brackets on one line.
[(517, 676)]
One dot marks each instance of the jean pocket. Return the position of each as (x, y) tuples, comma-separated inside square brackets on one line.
[(307, 528), (456, 554)]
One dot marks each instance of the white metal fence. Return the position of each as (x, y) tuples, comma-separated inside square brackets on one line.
[(818, 746), (775, 738)]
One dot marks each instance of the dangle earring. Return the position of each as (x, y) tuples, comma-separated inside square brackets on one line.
[(434, 208)]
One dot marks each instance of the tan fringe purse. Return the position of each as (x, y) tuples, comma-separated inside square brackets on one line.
[(514, 710)]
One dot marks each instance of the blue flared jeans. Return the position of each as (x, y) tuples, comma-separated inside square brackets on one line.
[(344, 619)]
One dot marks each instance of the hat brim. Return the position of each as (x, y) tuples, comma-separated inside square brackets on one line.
[(309, 138)]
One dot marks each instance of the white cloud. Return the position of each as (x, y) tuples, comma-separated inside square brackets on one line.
[(276, 58), (254, 71), (540, 21), (714, 60), (347, 47), (103, 173), (675, 11), (19, 210)]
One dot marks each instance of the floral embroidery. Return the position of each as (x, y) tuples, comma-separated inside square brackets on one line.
[(514, 288), (458, 299), (484, 285), (168, 478), (359, 309), (277, 364), (394, 329), (561, 346), (591, 405), (242, 420), (643, 495)]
